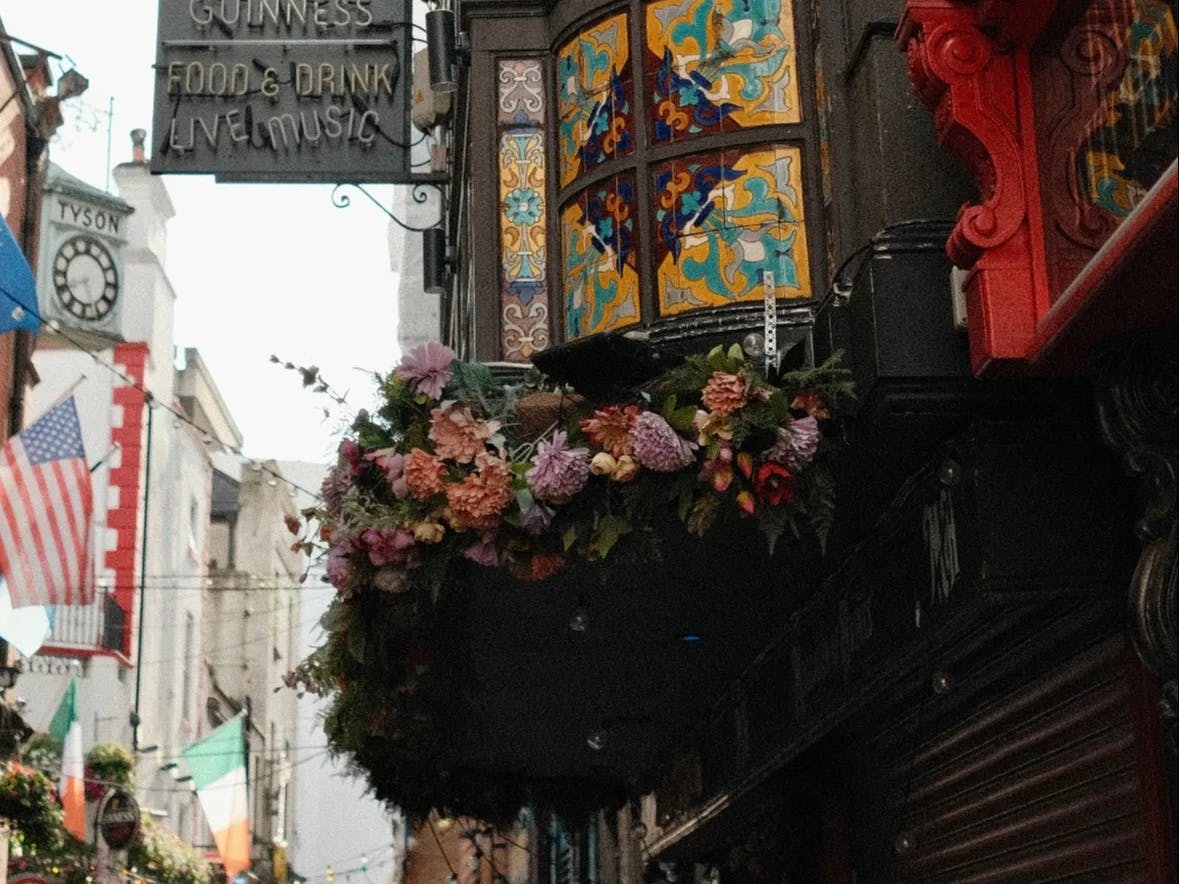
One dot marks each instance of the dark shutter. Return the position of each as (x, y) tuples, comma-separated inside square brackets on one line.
[(1037, 784)]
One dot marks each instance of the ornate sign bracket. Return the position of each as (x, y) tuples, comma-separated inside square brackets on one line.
[(419, 194)]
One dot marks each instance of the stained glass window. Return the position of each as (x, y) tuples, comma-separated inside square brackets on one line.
[(601, 264), (713, 66), (594, 93), (524, 297), (723, 221)]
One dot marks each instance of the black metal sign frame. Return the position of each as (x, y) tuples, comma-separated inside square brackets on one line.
[(284, 90)]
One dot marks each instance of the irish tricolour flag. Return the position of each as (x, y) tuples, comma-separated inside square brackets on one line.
[(218, 766), (66, 728)]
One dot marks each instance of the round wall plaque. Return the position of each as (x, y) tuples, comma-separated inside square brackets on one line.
[(118, 819)]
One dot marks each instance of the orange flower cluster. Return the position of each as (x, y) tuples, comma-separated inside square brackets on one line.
[(458, 435), (423, 474), (480, 498), (609, 428), (724, 393)]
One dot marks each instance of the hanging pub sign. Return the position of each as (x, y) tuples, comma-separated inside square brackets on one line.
[(283, 90), (118, 819)]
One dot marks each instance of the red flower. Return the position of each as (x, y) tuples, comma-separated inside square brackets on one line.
[(774, 484), (93, 789), (541, 567)]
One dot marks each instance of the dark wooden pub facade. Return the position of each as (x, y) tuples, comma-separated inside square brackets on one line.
[(976, 203)]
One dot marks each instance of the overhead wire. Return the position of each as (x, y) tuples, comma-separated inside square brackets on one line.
[(441, 849), (152, 400)]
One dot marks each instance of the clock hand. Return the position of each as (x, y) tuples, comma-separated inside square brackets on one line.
[(79, 283)]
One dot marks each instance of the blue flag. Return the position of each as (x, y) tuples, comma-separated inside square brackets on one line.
[(18, 291)]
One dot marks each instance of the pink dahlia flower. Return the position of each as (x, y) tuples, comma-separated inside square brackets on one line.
[(350, 456), (339, 570), (609, 428), (392, 464), (428, 368), (483, 553), (558, 472), (390, 546), (658, 446), (335, 485), (797, 443)]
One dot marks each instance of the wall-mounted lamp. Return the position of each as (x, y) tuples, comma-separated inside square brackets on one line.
[(436, 261), (8, 676), (71, 84), (445, 47)]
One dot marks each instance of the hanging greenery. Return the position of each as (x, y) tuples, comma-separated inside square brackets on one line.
[(70, 862), (455, 468), (29, 808), (43, 753), (164, 858), (108, 764)]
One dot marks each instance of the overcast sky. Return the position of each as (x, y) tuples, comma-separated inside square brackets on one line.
[(258, 269)]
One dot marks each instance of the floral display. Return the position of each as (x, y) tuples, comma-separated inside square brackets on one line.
[(29, 807), (160, 856), (108, 764), (443, 477)]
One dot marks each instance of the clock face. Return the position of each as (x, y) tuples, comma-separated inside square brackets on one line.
[(84, 278)]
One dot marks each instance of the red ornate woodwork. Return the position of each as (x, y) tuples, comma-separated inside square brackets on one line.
[(1019, 90), (1072, 72), (980, 93)]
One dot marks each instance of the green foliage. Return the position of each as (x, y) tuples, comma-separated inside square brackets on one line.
[(43, 753), (111, 764), (71, 861), (29, 807), (165, 858), (829, 380), (473, 380)]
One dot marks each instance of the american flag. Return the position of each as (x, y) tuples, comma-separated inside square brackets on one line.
[(45, 507)]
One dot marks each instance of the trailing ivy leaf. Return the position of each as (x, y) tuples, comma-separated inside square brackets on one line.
[(702, 515), (569, 537), (681, 418), (818, 500), (668, 407), (358, 645), (607, 531), (335, 618)]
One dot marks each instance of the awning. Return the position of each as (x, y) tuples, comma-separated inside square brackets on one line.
[(18, 290)]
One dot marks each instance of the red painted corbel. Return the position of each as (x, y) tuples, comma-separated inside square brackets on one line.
[(979, 90)]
